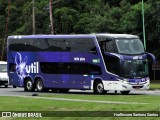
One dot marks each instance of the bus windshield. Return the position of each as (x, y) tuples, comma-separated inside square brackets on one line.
[(134, 68), (129, 46)]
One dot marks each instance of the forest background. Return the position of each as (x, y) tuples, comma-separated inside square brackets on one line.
[(83, 17)]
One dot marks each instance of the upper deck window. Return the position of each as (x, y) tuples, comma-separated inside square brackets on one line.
[(52, 44)]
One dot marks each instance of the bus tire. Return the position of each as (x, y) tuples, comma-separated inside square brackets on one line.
[(125, 92), (28, 85), (40, 85), (99, 88), (14, 86), (6, 86)]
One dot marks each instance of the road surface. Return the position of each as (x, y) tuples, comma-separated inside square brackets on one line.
[(20, 92)]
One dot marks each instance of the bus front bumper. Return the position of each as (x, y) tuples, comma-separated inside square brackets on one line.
[(126, 86)]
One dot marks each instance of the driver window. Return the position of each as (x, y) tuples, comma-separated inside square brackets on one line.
[(111, 46)]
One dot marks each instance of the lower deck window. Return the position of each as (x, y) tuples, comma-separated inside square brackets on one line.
[(70, 68)]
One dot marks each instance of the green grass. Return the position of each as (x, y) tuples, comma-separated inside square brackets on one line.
[(108, 97), (155, 85), (38, 104), (30, 104)]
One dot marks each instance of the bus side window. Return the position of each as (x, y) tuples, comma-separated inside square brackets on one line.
[(68, 48), (12, 67), (111, 46), (102, 46)]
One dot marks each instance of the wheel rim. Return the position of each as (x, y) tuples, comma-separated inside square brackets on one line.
[(39, 85), (29, 85), (100, 87)]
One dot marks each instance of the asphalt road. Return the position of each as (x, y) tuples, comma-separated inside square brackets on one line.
[(20, 92)]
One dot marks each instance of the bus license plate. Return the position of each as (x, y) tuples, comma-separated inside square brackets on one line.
[(137, 88)]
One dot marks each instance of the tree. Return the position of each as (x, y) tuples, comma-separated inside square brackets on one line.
[(64, 18), (85, 16)]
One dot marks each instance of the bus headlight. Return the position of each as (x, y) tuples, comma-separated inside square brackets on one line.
[(124, 80), (148, 79)]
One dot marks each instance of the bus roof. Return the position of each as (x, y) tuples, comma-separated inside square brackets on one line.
[(113, 36), (52, 36), (101, 35)]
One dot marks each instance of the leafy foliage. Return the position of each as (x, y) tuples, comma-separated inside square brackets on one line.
[(84, 16)]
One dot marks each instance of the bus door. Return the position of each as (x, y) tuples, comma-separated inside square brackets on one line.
[(78, 76), (63, 68), (14, 79), (71, 72)]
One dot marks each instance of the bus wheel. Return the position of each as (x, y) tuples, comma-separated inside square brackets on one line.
[(28, 86), (40, 85), (6, 86), (99, 88), (125, 92), (14, 86)]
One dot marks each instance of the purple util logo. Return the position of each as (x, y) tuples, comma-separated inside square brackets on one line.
[(22, 68)]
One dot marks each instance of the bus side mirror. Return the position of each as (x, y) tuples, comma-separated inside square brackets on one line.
[(152, 57)]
